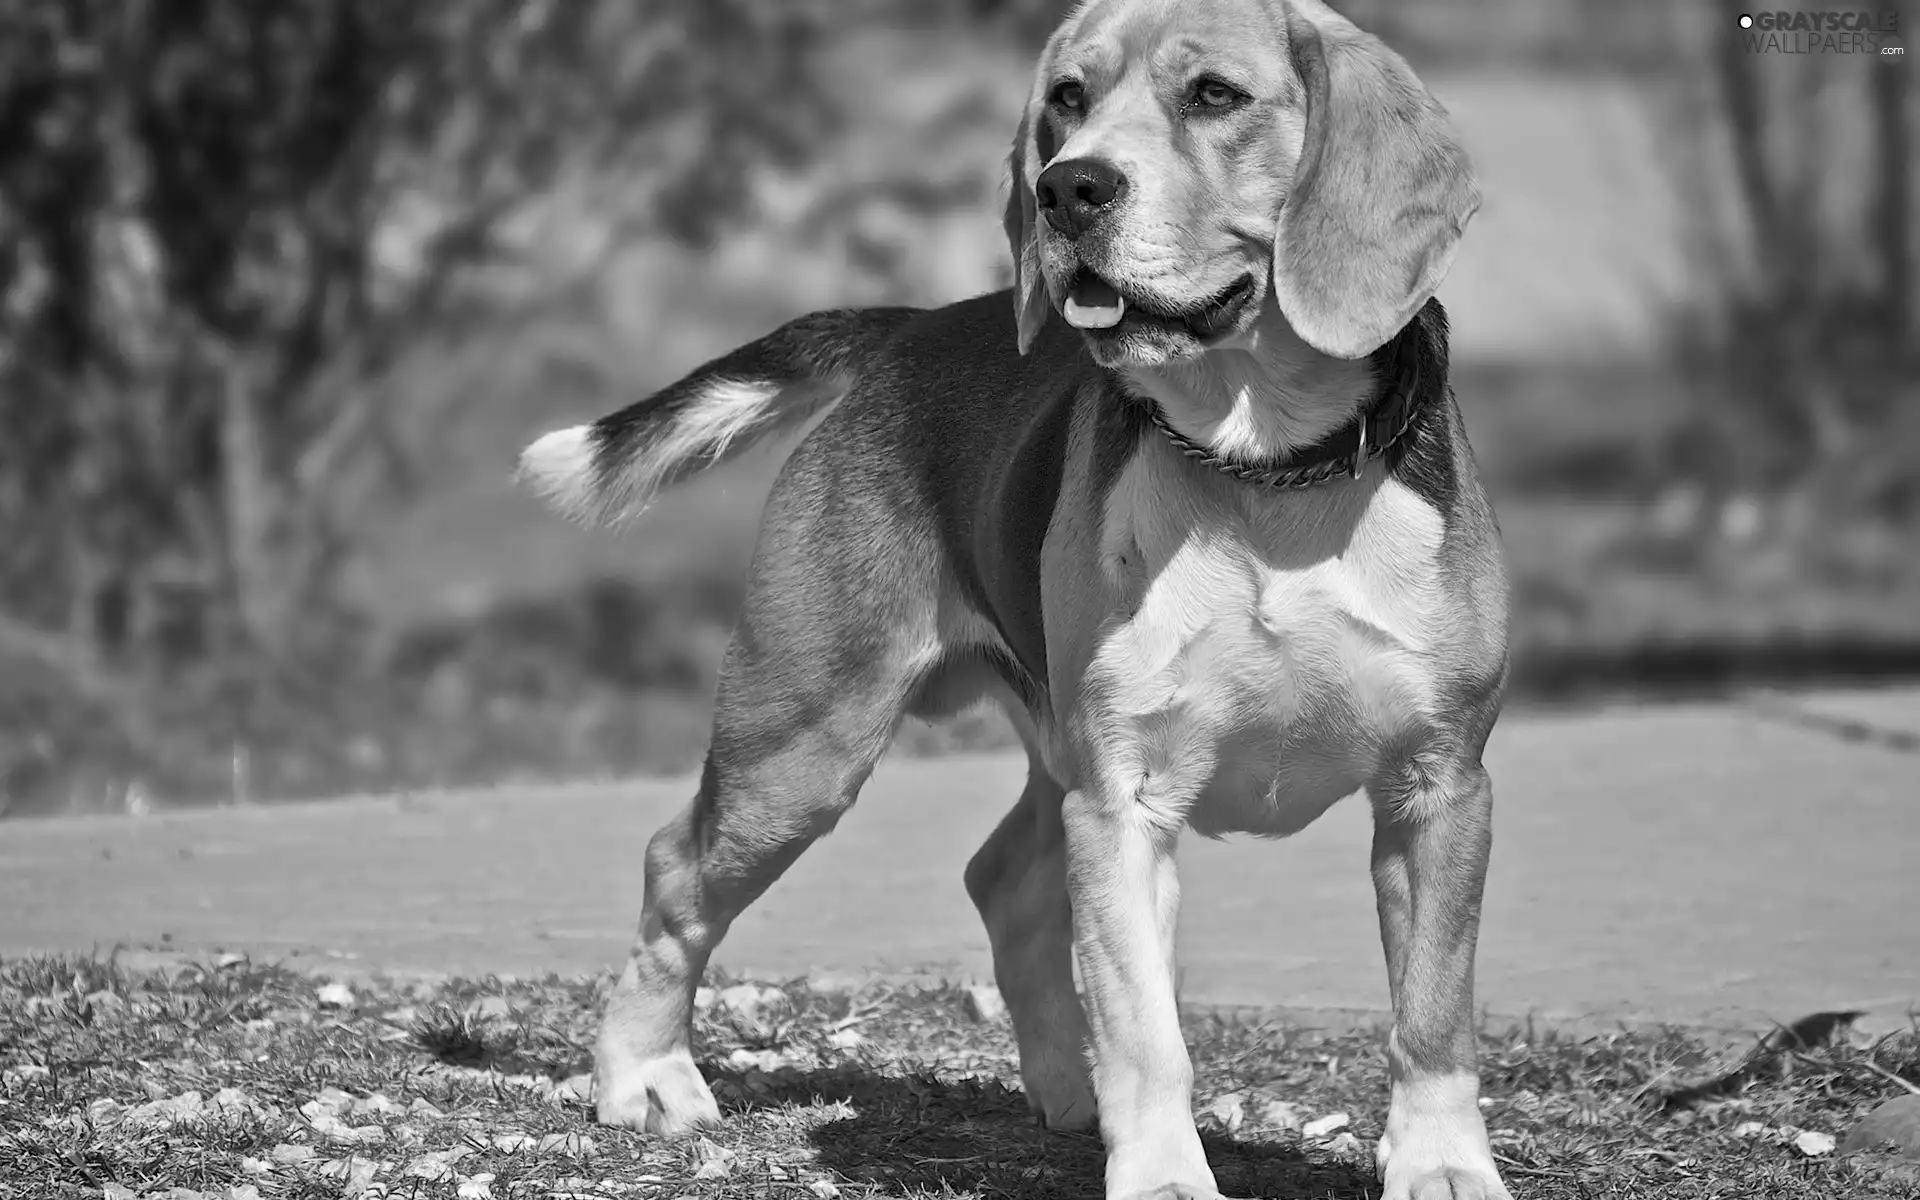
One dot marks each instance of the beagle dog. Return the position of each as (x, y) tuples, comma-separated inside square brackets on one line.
[(1193, 501)]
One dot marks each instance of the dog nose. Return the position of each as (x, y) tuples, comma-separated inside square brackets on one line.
[(1074, 193)]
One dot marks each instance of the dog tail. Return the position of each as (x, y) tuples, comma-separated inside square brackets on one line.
[(609, 470)]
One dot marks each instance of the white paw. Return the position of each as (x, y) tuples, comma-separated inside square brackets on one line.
[(1437, 1163), (1174, 1191), (664, 1095)]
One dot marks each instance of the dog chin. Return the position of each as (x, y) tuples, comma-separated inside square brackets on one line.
[(1122, 348)]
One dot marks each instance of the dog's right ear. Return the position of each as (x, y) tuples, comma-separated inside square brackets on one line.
[(1030, 300), (1381, 196)]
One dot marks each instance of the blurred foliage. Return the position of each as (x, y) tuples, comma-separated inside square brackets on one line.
[(1802, 168), (224, 227)]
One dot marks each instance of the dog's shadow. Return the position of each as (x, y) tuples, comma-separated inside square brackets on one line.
[(921, 1134)]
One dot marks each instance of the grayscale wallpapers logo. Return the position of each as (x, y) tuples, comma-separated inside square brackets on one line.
[(1876, 34)]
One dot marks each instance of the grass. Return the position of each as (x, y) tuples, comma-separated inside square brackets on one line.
[(230, 1075)]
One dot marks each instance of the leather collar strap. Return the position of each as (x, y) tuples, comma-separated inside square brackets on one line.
[(1372, 434)]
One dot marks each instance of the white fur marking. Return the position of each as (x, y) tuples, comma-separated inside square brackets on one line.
[(1268, 652), (1259, 400), (564, 466), (1435, 1130), (705, 428), (559, 466)]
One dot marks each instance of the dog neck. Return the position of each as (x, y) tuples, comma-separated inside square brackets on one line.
[(1260, 397)]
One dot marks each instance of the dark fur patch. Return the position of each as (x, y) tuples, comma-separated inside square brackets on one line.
[(1424, 459), (819, 345)]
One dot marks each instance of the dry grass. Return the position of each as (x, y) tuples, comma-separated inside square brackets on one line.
[(471, 1088)]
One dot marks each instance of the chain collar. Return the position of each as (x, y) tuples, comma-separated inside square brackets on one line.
[(1372, 434)]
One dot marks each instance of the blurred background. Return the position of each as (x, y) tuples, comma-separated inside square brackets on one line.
[(285, 287)]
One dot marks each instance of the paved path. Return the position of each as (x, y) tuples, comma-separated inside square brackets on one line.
[(1697, 864)]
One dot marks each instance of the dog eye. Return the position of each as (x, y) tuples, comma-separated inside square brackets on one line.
[(1069, 95), (1211, 93)]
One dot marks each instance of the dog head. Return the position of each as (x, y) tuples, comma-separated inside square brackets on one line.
[(1184, 172)]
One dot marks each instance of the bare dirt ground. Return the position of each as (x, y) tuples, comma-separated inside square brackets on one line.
[(1722, 865)]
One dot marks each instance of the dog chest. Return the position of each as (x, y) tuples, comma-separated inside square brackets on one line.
[(1265, 649)]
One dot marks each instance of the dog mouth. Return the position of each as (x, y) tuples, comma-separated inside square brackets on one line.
[(1096, 306)]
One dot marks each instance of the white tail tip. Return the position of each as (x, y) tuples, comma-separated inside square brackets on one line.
[(560, 467)]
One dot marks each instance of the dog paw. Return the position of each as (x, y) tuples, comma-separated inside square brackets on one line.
[(664, 1095), (1173, 1191), (1419, 1169), (1449, 1183)]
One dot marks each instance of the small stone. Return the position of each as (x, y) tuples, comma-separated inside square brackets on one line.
[(103, 1002), (355, 1174), (1229, 1112), (1325, 1126), (514, 1143), (437, 1165), (703, 999), (573, 1145), (243, 1191), (1271, 1112), (377, 1105), (115, 1191), (844, 1039), (334, 1129), (1346, 1146), (334, 995), (752, 1002), (1748, 1130), (1895, 1123), (476, 1187), (255, 1166), (984, 1005), (833, 983), (1813, 1143), (716, 1161), (335, 1101), (287, 1153), (169, 1113), (424, 1109), (574, 1089), (106, 1111), (823, 1188)]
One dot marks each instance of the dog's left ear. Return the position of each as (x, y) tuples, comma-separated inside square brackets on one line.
[(1030, 301), (1382, 192)]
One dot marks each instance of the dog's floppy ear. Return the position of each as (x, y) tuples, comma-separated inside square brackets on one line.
[(1380, 197), (1030, 302)]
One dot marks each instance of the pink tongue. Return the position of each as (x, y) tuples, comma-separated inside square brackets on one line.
[(1091, 291)]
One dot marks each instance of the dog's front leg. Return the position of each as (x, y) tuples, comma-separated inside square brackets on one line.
[(1432, 836), (1120, 873)]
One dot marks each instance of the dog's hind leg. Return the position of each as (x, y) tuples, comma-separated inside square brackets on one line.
[(815, 681), (1018, 881)]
